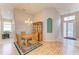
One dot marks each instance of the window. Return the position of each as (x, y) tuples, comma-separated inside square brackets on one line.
[(69, 18), (7, 26)]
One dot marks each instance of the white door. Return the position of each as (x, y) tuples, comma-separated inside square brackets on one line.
[(69, 29)]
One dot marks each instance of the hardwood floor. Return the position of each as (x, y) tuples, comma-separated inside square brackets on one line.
[(48, 48), (57, 48)]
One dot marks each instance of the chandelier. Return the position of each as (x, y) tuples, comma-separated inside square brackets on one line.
[(28, 21)]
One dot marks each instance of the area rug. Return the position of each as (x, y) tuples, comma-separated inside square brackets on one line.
[(24, 50)]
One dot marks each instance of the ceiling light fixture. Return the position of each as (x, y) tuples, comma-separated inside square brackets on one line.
[(28, 21)]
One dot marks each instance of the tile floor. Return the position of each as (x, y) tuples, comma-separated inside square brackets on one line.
[(48, 48)]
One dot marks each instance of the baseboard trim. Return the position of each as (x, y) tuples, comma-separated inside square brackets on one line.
[(51, 40)]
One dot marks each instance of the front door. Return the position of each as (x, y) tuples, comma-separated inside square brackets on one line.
[(69, 29)]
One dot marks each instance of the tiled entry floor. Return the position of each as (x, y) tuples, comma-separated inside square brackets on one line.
[(48, 48)]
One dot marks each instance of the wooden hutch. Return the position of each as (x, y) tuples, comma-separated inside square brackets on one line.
[(38, 27)]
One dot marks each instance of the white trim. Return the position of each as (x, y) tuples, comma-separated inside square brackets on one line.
[(52, 40)]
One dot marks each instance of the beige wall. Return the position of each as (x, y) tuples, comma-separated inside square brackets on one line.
[(42, 16), (77, 28), (21, 16), (0, 26), (21, 26), (77, 25)]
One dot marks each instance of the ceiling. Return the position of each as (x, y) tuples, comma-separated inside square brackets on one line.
[(62, 8)]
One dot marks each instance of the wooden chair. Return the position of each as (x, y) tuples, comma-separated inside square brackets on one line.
[(19, 42), (34, 38), (26, 38), (23, 35)]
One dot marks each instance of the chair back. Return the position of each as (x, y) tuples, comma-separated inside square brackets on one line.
[(17, 37), (35, 36), (23, 35)]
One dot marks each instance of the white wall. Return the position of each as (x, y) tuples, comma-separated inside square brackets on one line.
[(56, 28), (77, 28), (0, 25), (21, 26), (77, 25)]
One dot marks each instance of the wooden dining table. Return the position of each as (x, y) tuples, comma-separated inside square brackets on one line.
[(26, 38)]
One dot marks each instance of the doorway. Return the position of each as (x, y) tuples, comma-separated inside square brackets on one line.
[(69, 27)]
